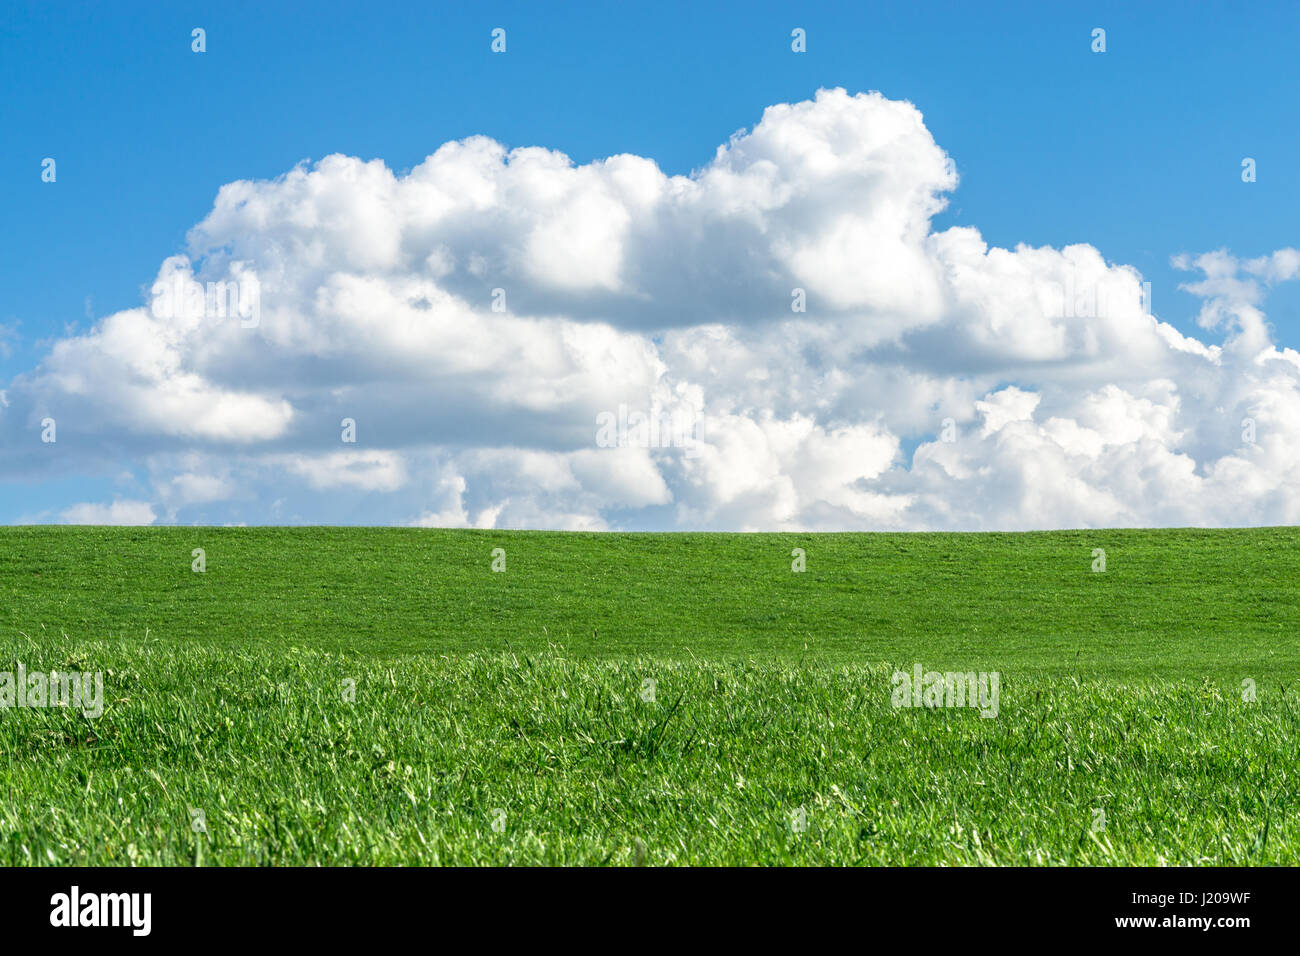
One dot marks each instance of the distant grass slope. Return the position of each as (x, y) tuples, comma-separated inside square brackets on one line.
[(1194, 603)]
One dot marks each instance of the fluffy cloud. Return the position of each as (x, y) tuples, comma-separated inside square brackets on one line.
[(119, 512), (837, 362)]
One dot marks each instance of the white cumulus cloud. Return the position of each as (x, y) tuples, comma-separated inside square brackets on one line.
[(842, 363), (119, 512)]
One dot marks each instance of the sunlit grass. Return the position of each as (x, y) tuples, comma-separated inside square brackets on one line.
[(518, 698)]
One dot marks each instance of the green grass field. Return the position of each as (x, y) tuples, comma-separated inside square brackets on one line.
[(501, 717)]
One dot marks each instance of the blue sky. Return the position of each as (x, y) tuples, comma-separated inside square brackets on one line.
[(1136, 151)]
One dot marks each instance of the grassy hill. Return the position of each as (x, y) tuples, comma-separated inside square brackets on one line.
[(505, 716), (1183, 602)]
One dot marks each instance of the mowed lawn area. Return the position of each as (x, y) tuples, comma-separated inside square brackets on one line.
[(352, 695)]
